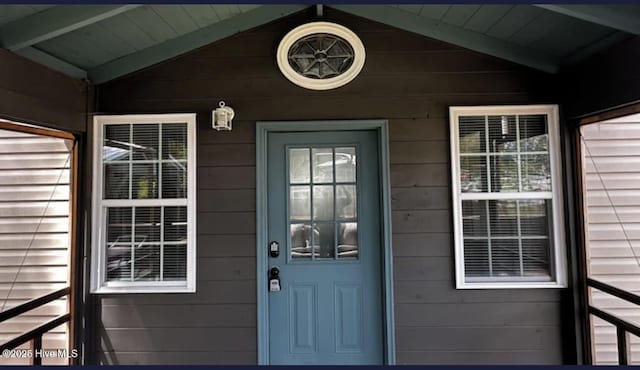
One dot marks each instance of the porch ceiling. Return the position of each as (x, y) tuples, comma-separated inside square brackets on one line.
[(103, 42)]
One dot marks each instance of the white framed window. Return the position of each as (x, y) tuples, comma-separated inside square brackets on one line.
[(144, 204), (507, 197)]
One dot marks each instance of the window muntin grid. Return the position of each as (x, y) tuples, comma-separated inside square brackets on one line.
[(151, 162), (322, 197), (511, 155), (507, 153), (157, 179)]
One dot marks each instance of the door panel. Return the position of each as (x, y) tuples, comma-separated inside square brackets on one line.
[(323, 210), (303, 322)]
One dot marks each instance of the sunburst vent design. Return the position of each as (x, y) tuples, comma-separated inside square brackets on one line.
[(321, 55)]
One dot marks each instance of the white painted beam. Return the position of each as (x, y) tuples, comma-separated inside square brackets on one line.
[(604, 15), (182, 44), (54, 22), (454, 35)]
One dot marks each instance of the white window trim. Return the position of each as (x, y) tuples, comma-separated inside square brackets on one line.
[(320, 27), (557, 204), (97, 274)]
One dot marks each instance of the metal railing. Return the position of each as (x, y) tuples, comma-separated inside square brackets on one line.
[(622, 327), (35, 334)]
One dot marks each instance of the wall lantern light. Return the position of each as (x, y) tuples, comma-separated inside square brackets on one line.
[(221, 117)]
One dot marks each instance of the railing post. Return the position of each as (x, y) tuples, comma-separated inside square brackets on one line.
[(622, 346), (37, 351)]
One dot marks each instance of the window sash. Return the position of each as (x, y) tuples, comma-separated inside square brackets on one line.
[(556, 236), (100, 207)]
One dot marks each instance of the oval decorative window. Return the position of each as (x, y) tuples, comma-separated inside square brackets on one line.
[(320, 55)]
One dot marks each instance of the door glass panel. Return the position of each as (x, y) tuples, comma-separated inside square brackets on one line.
[(325, 244), (346, 164), (301, 241), (299, 202), (299, 166), (346, 201), (323, 202), (322, 165), (348, 240)]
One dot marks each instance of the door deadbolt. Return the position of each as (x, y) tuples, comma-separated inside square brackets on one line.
[(274, 249)]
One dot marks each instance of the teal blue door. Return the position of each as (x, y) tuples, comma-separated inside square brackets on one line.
[(325, 306)]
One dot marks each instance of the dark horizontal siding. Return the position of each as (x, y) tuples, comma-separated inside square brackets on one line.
[(32, 93), (208, 292), (474, 338), (487, 357), (407, 79), (421, 198), (439, 291), (193, 316), (176, 357), (490, 314), (406, 175), (178, 339), (423, 84), (226, 177), (415, 221), (423, 244), (226, 222)]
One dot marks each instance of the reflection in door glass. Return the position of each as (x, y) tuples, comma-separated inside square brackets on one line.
[(322, 165), (299, 165), (346, 164), (346, 202), (348, 239), (323, 195), (325, 244), (322, 203), (302, 240), (299, 202)]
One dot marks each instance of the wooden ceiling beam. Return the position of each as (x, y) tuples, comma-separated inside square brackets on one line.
[(604, 15), (55, 21), (52, 62), (454, 35), (190, 41)]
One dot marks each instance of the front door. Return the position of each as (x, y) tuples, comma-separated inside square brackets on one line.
[(324, 215)]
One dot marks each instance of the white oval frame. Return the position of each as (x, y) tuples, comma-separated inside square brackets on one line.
[(321, 27)]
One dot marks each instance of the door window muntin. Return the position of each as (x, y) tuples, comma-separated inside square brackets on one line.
[(310, 221)]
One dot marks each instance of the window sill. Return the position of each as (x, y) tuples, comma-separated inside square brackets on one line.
[(137, 288), (512, 285)]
